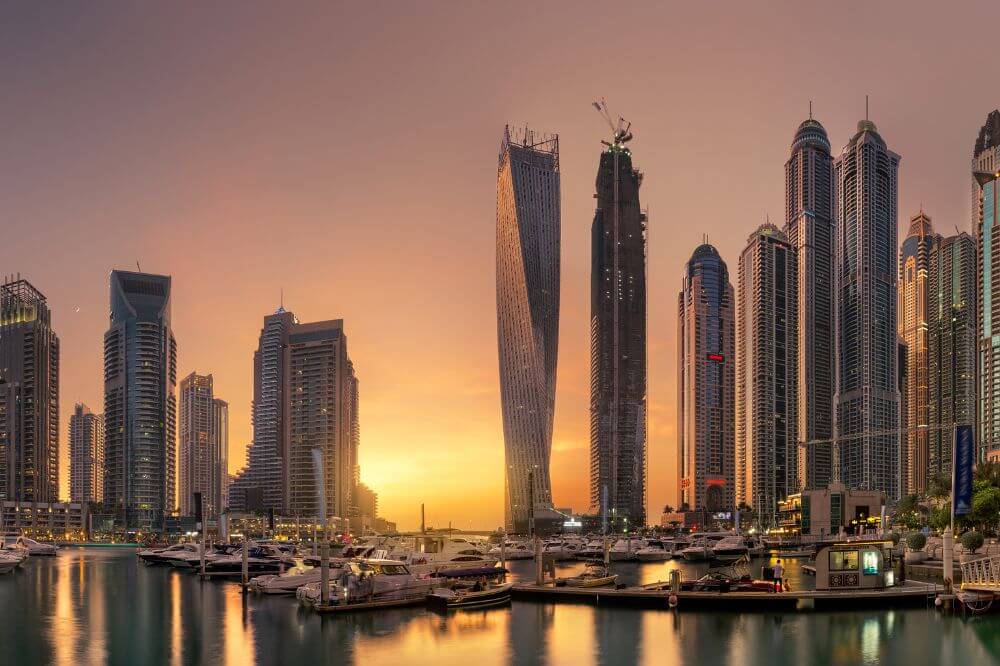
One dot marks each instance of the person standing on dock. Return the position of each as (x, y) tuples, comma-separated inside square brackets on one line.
[(779, 576)]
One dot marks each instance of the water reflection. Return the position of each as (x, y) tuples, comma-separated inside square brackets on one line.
[(101, 605)]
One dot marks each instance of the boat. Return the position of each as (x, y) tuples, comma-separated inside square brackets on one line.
[(729, 549), (624, 550), (560, 549), (192, 560), (654, 551), (163, 555), (512, 550), (595, 575), (288, 583), (699, 550), (11, 559), (30, 546), (755, 547), (260, 560), (473, 595), (371, 583), (801, 552), (715, 581)]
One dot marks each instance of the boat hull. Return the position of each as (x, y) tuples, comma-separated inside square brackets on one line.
[(490, 598)]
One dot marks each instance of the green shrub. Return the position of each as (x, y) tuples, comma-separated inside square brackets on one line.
[(973, 541), (916, 541), (896, 537)]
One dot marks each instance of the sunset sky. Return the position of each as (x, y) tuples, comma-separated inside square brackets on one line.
[(348, 155)]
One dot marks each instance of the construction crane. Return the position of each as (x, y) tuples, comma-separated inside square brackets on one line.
[(619, 130)]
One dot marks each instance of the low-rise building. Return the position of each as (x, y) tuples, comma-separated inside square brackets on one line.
[(45, 520), (828, 511)]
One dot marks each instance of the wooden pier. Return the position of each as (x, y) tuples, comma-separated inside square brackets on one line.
[(657, 595)]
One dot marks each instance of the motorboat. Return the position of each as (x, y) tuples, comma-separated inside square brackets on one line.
[(472, 595), (595, 575), (260, 560), (369, 581), (729, 549), (715, 581), (559, 549), (699, 550), (593, 550), (755, 547), (192, 560), (11, 559), (654, 551), (513, 550), (163, 555), (289, 582), (624, 550), (30, 546)]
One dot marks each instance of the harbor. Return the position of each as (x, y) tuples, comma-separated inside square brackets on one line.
[(96, 604)]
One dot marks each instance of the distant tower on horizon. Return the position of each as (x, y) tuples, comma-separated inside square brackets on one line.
[(809, 226), (29, 395), (767, 448), (140, 403), (86, 455), (914, 314), (951, 343), (618, 414), (867, 399), (706, 382), (986, 221), (204, 441), (527, 265)]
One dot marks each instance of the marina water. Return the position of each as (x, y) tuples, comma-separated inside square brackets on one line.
[(100, 605)]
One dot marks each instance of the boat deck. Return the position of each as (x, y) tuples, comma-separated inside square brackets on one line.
[(655, 595)]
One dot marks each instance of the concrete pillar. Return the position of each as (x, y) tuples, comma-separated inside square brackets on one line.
[(949, 563)]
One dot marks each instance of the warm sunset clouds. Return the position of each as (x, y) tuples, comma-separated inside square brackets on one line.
[(348, 156)]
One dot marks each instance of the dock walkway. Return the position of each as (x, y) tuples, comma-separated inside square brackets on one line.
[(656, 595)]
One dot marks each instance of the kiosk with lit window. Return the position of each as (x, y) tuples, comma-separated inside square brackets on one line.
[(857, 565)]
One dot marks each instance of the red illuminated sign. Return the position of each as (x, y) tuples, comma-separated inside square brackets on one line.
[(718, 358)]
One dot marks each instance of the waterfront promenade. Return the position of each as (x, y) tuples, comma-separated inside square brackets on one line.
[(93, 605)]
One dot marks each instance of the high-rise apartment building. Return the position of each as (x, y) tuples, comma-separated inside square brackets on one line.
[(767, 449), (618, 414), (986, 222), (809, 226), (204, 442), (867, 399), (913, 311), (323, 391), (951, 343), (261, 484), (140, 403), (29, 395), (706, 377), (86, 455), (527, 264)]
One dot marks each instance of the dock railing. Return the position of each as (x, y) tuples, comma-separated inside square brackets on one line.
[(981, 572)]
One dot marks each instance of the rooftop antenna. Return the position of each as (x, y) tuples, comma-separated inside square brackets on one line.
[(810, 109), (137, 266), (866, 107), (281, 297)]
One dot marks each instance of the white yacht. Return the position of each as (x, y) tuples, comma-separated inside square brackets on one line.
[(699, 550), (163, 555), (561, 549), (729, 549), (367, 581), (624, 550), (187, 559), (11, 559), (593, 550), (30, 546), (513, 550), (655, 550), (260, 560), (290, 582)]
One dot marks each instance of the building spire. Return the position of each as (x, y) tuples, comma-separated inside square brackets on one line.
[(866, 107), (810, 109)]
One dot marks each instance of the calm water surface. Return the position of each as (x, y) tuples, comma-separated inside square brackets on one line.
[(92, 605)]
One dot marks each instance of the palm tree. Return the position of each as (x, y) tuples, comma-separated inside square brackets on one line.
[(989, 472)]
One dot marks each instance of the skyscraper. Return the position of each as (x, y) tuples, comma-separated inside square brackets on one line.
[(913, 311), (809, 215), (951, 342), (140, 405), (204, 440), (86, 455), (867, 398), (527, 255), (986, 221), (706, 346), (766, 374), (323, 389), (261, 483), (29, 395), (618, 340)]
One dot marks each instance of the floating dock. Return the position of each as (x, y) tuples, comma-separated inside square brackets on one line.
[(656, 595)]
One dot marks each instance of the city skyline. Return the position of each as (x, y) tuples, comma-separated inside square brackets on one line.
[(192, 222)]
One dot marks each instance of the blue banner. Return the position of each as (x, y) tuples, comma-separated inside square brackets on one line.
[(963, 461)]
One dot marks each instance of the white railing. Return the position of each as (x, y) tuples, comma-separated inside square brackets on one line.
[(983, 571)]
